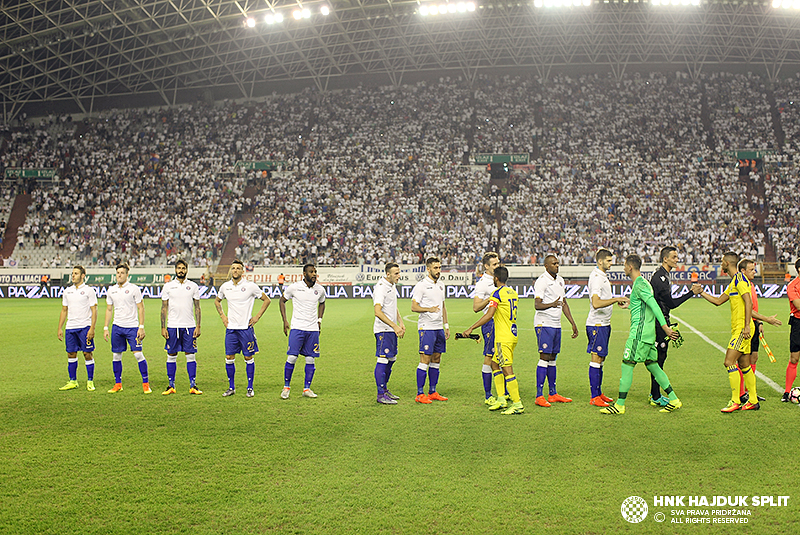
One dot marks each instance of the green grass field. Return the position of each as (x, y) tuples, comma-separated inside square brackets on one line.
[(81, 462)]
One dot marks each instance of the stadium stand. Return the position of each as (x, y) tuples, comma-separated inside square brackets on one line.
[(369, 174)]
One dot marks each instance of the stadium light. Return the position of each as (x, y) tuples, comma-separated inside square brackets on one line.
[(445, 8), (561, 3), (301, 14), (251, 22), (325, 10)]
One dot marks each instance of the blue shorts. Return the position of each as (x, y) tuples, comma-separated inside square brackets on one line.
[(122, 337), (76, 340), (241, 340), (386, 345), (431, 342), (488, 338), (304, 343), (180, 339), (549, 339), (598, 336)]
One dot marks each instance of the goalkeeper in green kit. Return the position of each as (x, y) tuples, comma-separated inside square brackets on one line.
[(641, 344)]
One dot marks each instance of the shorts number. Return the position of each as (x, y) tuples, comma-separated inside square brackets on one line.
[(250, 346), (316, 348)]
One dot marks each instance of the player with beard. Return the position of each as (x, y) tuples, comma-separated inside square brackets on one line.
[(239, 333), (308, 306), (428, 301), (180, 303)]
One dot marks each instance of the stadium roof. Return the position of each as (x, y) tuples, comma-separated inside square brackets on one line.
[(85, 55)]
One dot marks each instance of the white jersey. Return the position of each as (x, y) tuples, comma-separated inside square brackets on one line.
[(305, 305), (240, 302), (548, 289), (429, 294), (385, 295), (599, 286), (79, 301), (124, 299), (181, 299), (485, 288)]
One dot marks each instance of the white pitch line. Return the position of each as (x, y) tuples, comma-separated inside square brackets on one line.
[(772, 384)]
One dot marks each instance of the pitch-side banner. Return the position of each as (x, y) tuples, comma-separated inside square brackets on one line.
[(364, 291), (348, 276)]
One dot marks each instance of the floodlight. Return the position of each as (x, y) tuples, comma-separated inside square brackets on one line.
[(306, 13), (278, 17), (451, 8), (423, 10), (470, 6), (537, 3), (433, 10), (251, 22), (776, 3), (297, 14), (461, 7), (587, 3), (269, 18), (442, 8), (325, 10)]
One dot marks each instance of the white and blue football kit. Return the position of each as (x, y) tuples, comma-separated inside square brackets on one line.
[(304, 329)]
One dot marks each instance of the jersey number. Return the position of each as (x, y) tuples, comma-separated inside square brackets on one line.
[(512, 307)]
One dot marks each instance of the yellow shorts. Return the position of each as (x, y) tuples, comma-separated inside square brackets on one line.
[(739, 342), (504, 353)]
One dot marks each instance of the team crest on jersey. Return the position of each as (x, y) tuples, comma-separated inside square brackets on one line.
[(82, 292), (127, 291), (316, 292), (188, 287), (244, 289), (426, 346), (544, 346)]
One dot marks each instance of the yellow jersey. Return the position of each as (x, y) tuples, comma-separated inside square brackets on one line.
[(505, 301), (736, 290)]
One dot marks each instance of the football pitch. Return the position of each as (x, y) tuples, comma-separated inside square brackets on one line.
[(93, 462)]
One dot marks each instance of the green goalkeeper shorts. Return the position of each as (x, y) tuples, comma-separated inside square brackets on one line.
[(638, 351)]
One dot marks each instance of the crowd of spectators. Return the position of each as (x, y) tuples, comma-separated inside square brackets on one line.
[(369, 174), (740, 112)]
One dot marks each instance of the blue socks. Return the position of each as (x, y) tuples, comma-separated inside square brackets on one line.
[(551, 376), (422, 374), (433, 377), (230, 368), (72, 369), (117, 367), (541, 376), (250, 367), (191, 369), (486, 372), (143, 370), (381, 371), (595, 379), (309, 375), (288, 369), (90, 370), (172, 367)]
